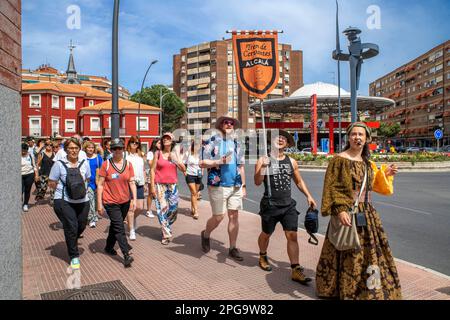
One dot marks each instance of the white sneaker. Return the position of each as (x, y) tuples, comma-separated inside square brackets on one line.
[(132, 235), (92, 224), (149, 214), (25, 208)]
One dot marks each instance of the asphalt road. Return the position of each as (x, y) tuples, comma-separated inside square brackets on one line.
[(416, 218)]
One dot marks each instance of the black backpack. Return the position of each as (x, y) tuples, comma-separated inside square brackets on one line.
[(75, 186)]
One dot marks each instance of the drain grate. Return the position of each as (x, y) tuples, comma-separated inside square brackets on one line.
[(113, 290)]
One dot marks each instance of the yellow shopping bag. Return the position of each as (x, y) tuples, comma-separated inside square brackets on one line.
[(382, 184)]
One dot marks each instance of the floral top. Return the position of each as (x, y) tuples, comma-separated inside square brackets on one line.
[(213, 149), (343, 181)]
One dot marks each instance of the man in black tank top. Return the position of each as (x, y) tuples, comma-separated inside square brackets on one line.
[(277, 204)]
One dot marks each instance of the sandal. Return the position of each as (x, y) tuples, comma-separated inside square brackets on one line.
[(165, 241)]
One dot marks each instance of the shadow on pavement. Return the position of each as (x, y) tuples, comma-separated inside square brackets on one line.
[(190, 244), (279, 281), (55, 226), (59, 250), (98, 246), (150, 232)]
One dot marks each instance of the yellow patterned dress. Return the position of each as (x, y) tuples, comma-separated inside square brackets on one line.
[(365, 274)]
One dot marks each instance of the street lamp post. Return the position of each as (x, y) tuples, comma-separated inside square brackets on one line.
[(161, 97), (115, 76), (140, 97)]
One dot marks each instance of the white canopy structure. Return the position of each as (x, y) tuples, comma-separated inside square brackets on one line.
[(327, 101)]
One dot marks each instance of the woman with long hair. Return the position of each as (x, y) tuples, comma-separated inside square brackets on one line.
[(156, 145), (193, 174), (164, 187), (116, 193), (45, 164), (135, 155), (365, 271), (95, 162), (69, 177)]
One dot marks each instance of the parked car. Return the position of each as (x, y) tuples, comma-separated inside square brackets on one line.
[(428, 150), (309, 151), (412, 150), (445, 148), (401, 149)]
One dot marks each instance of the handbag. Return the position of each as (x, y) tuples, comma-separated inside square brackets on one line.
[(312, 225), (344, 237)]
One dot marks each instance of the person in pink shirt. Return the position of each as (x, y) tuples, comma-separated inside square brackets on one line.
[(164, 185)]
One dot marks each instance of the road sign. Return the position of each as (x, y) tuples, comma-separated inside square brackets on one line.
[(438, 134)]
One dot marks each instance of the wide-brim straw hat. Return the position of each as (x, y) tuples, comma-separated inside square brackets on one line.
[(221, 119)]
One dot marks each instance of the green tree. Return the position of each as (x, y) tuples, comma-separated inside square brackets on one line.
[(388, 131), (173, 107)]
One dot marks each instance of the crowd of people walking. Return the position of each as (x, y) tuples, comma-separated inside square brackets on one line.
[(92, 181)]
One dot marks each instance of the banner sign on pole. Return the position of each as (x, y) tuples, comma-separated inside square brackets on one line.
[(257, 66), (314, 124)]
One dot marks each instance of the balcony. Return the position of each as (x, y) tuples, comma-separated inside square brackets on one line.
[(205, 57), (192, 60)]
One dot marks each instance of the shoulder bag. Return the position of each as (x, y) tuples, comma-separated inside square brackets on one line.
[(343, 237)]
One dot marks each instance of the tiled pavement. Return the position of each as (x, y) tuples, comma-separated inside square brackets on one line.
[(181, 270)]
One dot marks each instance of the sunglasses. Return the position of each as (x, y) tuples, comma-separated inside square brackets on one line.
[(229, 123), (117, 148), (134, 143), (48, 144)]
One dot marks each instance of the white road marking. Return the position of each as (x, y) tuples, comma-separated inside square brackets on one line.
[(404, 208)]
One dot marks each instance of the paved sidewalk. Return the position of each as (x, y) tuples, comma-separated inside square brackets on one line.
[(181, 270)]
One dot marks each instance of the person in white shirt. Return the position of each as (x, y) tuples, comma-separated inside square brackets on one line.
[(135, 155), (193, 174), (29, 175), (71, 208), (156, 145)]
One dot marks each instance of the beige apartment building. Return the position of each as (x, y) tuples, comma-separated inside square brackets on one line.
[(204, 77), (420, 89)]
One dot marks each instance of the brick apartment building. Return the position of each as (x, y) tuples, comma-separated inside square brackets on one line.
[(421, 90), (204, 77)]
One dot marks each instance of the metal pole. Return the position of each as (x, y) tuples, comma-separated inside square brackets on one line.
[(265, 147), (353, 84), (115, 122), (160, 112), (339, 106), (140, 97)]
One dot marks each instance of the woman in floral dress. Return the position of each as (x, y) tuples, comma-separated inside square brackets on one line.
[(368, 273)]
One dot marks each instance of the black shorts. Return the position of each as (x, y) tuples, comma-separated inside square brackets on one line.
[(193, 179), (140, 192), (272, 214)]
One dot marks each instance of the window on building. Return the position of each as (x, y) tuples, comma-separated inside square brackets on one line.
[(143, 122), (192, 65), (439, 79), (439, 67), (35, 100), (95, 124), (55, 102), (35, 126), (70, 103), (70, 125), (91, 103), (55, 126)]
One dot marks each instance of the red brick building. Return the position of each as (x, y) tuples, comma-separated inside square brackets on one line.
[(66, 109)]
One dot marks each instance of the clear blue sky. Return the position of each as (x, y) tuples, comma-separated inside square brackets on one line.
[(151, 29)]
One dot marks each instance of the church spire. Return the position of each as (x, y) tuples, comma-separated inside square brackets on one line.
[(71, 72)]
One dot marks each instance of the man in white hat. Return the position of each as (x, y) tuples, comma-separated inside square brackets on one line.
[(226, 182)]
